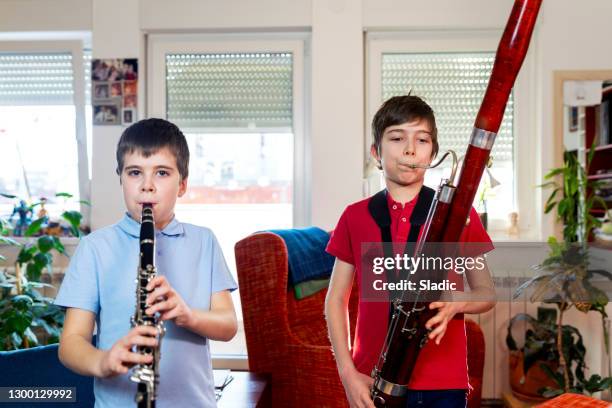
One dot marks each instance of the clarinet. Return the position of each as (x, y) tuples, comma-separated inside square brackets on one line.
[(146, 375), (449, 211)]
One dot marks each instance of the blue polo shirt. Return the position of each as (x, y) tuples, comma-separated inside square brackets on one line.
[(101, 278)]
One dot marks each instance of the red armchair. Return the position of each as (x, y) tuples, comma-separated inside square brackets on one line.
[(475, 356), (287, 338)]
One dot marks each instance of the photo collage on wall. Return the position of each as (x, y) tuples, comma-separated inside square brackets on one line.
[(114, 91)]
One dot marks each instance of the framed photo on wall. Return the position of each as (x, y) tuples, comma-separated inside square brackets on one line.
[(101, 90), (106, 114), (128, 116), (114, 91)]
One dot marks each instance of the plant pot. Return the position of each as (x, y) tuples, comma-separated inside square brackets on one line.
[(526, 386)]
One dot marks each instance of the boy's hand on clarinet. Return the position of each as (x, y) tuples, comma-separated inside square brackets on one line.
[(120, 358), (357, 388), (439, 323), (165, 300)]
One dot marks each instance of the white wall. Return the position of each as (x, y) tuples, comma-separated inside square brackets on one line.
[(337, 109), (225, 15), (435, 14), (45, 15)]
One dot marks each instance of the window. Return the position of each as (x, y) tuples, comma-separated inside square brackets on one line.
[(239, 103), (41, 121), (451, 73)]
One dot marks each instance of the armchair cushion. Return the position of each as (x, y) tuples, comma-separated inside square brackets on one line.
[(306, 254)]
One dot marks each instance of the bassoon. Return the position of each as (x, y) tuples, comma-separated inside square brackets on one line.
[(450, 209)]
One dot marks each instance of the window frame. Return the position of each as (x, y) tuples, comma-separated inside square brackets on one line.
[(74, 47), (524, 121), (159, 44)]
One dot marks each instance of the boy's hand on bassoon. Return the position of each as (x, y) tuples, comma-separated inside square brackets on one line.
[(165, 300), (357, 388), (120, 357), (439, 323)]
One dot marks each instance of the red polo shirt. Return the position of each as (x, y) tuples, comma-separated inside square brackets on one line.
[(438, 367)]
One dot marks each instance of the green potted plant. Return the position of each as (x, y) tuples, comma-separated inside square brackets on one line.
[(564, 279), (527, 362), (27, 318), (534, 367)]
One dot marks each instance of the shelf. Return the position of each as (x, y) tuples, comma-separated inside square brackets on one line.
[(599, 245), (70, 241), (602, 148), (605, 148), (600, 176)]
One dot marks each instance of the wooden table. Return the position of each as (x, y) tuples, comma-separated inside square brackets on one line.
[(247, 389), (511, 401)]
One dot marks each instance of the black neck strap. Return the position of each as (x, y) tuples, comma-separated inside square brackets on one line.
[(379, 210)]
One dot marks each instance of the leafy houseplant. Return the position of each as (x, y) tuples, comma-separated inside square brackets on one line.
[(28, 318), (563, 279), (22, 307), (540, 353), (22, 310), (574, 198), (73, 217)]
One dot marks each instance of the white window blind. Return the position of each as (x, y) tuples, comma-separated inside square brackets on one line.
[(36, 79), (230, 90)]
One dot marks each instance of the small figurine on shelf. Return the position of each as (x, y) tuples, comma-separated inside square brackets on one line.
[(24, 212), (513, 228), (482, 214), (487, 189), (42, 213), (54, 229)]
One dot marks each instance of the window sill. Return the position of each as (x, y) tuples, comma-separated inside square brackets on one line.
[(232, 362), (501, 235), (67, 241)]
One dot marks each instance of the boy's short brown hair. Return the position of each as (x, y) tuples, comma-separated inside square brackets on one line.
[(402, 109), (148, 136)]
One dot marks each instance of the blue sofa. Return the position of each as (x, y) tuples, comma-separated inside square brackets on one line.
[(40, 367)]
